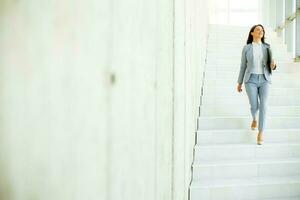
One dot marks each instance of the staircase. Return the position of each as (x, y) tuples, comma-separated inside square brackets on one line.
[(228, 164)]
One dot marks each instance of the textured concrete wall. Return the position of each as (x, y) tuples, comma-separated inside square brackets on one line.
[(99, 99), (190, 50)]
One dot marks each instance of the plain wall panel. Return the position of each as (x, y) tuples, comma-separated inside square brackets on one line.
[(99, 99)]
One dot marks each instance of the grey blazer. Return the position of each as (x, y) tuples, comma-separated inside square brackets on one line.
[(247, 63)]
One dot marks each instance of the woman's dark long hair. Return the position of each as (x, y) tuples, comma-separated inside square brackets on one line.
[(250, 37)]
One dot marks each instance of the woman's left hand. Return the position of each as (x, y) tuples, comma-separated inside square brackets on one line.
[(273, 65)]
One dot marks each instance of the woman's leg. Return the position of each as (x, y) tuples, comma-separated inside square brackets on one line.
[(252, 93), (263, 93)]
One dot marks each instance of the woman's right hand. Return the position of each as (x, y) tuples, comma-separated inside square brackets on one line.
[(239, 87)]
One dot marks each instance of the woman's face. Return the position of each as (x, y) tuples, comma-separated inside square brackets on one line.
[(258, 32)]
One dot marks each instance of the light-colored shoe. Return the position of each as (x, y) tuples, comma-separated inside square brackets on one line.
[(259, 139), (254, 125)]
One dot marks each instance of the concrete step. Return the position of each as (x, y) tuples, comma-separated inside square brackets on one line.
[(219, 64), (240, 34), (244, 111), (246, 151), (237, 102), (233, 28), (237, 34), (214, 46), (228, 30), (223, 123), (235, 68), (236, 136), (216, 58), (277, 82), (212, 61), (234, 169), (284, 198), (241, 42), (258, 188), (231, 91), (237, 56), (290, 73), (237, 52), (240, 39)]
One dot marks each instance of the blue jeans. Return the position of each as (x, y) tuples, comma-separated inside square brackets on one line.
[(257, 88)]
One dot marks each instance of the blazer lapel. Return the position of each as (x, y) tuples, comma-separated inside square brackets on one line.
[(251, 53)]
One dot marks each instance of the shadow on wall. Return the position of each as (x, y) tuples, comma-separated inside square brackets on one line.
[(5, 183), (6, 191), (5, 178), (6, 5)]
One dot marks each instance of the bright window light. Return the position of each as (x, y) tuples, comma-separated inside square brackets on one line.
[(235, 12)]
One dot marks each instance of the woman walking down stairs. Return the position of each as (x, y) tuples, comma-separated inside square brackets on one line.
[(228, 163)]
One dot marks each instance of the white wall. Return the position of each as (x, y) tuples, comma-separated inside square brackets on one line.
[(99, 99), (191, 28)]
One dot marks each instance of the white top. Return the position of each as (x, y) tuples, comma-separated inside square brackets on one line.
[(258, 58)]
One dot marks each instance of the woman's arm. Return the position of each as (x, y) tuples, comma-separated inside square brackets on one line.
[(242, 67)]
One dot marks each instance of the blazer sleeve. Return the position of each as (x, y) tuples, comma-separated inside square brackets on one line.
[(243, 66)]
